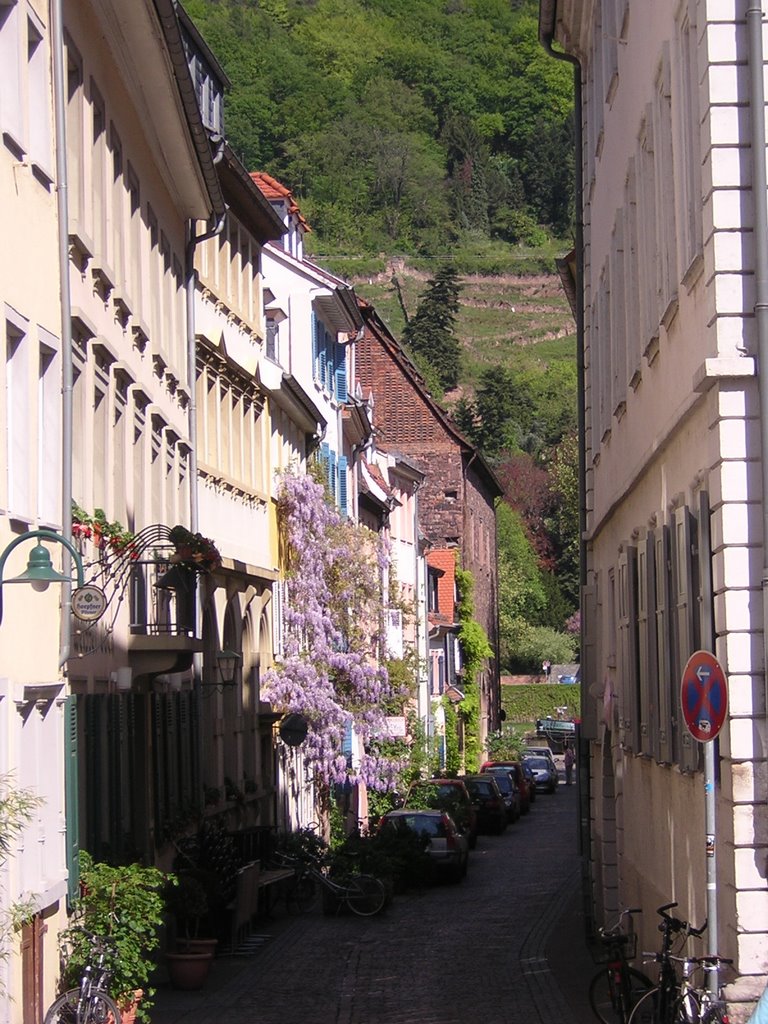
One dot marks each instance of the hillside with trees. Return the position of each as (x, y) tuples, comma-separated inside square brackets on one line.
[(430, 146)]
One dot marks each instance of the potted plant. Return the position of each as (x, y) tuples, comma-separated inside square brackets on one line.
[(126, 904), (189, 964)]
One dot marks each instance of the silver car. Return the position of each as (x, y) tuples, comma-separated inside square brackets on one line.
[(446, 846)]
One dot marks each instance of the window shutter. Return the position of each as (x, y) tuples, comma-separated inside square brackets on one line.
[(332, 474), (646, 641), (159, 762), (341, 378), (328, 349), (343, 486), (686, 750), (450, 651), (315, 347), (346, 745), (629, 709), (71, 805), (589, 675), (185, 749), (663, 689)]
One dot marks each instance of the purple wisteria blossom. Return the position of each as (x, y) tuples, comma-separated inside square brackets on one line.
[(332, 671)]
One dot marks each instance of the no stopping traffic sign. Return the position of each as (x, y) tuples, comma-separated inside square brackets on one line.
[(703, 696)]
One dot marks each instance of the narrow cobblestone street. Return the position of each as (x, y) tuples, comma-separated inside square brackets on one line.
[(490, 950)]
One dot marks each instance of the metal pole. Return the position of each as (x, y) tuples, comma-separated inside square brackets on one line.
[(713, 976)]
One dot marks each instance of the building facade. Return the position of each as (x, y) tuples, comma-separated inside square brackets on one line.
[(672, 240)]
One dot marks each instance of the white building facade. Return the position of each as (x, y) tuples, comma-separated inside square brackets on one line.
[(674, 501)]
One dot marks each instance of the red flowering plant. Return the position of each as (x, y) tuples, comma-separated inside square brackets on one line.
[(193, 551), (105, 535), (332, 670)]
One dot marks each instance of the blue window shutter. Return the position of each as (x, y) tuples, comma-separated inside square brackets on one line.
[(346, 746), (315, 347), (343, 490), (325, 455), (332, 475), (341, 377), (329, 364)]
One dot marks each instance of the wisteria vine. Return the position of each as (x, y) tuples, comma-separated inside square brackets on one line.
[(332, 669)]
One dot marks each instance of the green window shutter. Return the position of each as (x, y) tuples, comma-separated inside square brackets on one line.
[(186, 780), (71, 805), (158, 762), (663, 689)]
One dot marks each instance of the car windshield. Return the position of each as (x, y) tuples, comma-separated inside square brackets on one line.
[(479, 787), (538, 762), (503, 781)]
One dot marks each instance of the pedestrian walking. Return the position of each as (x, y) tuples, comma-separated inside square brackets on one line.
[(569, 759)]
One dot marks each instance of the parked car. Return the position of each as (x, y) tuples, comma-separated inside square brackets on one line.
[(488, 801), (521, 780), (530, 778), (568, 680), (545, 775), (450, 795), (509, 793), (539, 752), (445, 844)]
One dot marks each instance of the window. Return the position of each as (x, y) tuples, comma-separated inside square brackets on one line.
[(11, 110), (98, 173), (39, 98), (116, 212), (273, 330), (690, 228), (18, 425), (48, 430), (433, 604), (101, 433), (666, 255), (75, 134)]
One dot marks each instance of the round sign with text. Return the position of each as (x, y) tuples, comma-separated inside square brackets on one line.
[(703, 696), (89, 603)]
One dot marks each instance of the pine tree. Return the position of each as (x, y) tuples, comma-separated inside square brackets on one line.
[(431, 332)]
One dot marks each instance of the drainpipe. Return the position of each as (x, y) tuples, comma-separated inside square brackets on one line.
[(546, 36), (760, 221), (62, 202)]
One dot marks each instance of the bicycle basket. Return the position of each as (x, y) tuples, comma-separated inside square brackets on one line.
[(605, 949)]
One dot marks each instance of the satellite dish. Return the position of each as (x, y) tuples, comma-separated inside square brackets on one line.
[(293, 730)]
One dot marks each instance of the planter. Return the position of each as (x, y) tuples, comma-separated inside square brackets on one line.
[(128, 1012), (188, 971), (196, 946)]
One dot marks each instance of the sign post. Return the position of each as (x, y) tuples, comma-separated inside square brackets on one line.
[(704, 703)]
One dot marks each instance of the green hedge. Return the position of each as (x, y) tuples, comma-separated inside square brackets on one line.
[(537, 700)]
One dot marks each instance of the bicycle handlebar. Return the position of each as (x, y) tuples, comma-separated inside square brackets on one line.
[(674, 924)]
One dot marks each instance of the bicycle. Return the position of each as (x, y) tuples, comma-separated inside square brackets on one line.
[(697, 1004), (616, 988), (670, 1000), (364, 895), (90, 1003)]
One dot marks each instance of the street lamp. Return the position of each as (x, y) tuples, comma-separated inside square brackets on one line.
[(40, 572)]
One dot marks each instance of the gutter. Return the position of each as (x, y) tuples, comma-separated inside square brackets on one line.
[(547, 24), (67, 375), (754, 16)]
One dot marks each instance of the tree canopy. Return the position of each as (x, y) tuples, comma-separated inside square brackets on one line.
[(399, 124)]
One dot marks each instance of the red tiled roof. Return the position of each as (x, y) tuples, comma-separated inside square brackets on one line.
[(271, 189)]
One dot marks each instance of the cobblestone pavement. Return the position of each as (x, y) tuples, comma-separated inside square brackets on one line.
[(504, 947)]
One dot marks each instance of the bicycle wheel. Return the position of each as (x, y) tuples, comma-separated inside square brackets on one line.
[(607, 999), (688, 1009), (365, 895), (646, 1010), (100, 1009), (302, 894)]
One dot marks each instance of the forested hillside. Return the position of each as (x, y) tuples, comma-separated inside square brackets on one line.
[(401, 125), (429, 144)]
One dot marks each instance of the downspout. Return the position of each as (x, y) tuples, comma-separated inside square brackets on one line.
[(62, 203), (190, 282), (760, 222), (546, 36)]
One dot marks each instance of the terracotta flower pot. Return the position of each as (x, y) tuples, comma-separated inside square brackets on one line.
[(184, 945), (188, 971)]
